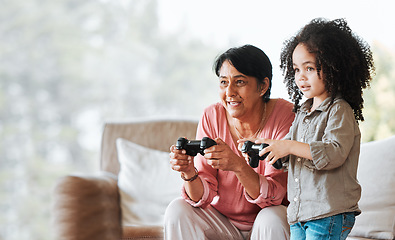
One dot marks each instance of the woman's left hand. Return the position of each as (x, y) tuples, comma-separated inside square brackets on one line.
[(222, 157)]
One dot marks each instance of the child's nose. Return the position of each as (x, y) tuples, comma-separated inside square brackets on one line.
[(301, 77)]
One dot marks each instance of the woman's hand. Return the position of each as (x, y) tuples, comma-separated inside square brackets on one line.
[(181, 162), (222, 157), (240, 144)]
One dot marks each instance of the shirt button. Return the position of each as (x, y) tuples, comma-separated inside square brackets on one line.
[(295, 199), (301, 140), (306, 120), (296, 180), (298, 159)]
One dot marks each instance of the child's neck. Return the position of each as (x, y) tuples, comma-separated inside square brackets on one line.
[(317, 102), (314, 105)]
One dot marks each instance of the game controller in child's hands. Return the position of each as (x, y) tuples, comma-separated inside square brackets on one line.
[(193, 147), (253, 150)]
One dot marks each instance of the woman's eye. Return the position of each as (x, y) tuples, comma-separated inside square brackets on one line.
[(296, 70), (309, 69), (240, 82), (223, 83)]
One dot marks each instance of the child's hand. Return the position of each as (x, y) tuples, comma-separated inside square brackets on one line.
[(276, 149)]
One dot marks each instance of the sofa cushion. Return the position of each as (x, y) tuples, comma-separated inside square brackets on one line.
[(376, 174), (146, 182)]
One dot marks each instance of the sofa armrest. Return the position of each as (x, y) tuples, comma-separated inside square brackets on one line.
[(142, 233), (87, 207)]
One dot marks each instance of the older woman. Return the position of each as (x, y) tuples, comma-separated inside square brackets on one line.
[(223, 197)]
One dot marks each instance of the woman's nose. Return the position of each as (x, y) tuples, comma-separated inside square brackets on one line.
[(230, 90)]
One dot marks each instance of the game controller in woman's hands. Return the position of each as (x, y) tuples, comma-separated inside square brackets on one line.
[(253, 150), (193, 147)]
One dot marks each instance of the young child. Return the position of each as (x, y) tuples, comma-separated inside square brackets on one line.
[(329, 65)]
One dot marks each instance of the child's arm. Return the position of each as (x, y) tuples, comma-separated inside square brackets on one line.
[(282, 148)]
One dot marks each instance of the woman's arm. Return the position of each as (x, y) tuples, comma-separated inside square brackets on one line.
[(222, 157), (185, 165)]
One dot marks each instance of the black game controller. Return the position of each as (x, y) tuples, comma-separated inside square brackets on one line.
[(193, 147), (253, 150)]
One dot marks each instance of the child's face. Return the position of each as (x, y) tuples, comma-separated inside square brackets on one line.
[(306, 75)]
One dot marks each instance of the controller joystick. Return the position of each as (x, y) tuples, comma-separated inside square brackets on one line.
[(253, 150), (193, 147)]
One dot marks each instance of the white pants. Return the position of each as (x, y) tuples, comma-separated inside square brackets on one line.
[(184, 222)]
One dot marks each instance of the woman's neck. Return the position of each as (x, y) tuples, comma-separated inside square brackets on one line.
[(250, 126)]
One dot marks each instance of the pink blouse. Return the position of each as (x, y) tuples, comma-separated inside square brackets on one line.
[(221, 188)]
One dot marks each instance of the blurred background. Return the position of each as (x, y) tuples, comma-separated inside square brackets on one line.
[(69, 66)]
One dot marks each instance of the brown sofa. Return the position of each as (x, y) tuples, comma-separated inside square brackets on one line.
[(89, 206)]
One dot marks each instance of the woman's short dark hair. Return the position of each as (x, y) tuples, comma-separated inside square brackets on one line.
[(248, 60)]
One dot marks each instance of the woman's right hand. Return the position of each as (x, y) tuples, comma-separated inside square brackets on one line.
[(181, 162)]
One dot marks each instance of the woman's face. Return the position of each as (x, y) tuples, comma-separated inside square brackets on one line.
[(240, 94)]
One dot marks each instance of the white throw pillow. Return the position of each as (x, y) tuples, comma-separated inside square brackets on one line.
[(376, 174), (146, 182)]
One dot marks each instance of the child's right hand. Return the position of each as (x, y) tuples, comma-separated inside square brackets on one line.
[(281, 148), (276, 149)]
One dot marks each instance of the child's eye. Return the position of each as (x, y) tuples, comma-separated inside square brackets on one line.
[(309, 69), (296, 70)]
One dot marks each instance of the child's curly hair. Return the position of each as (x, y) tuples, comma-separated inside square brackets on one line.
[(345, 59)]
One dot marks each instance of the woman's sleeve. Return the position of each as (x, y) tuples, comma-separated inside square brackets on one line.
[(273, 182), (207, 174), (283, 125), (273, 189), (273, 186)]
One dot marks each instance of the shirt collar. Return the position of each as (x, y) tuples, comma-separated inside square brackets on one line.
[(305, 107)]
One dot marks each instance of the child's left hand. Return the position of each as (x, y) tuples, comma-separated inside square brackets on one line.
[(277, 149)]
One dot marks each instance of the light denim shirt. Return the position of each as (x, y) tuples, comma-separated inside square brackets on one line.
[(326, 185)]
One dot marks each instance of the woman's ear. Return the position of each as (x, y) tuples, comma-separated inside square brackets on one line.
[(264, 86)]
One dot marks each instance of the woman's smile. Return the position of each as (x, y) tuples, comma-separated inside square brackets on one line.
[(234, 104)]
